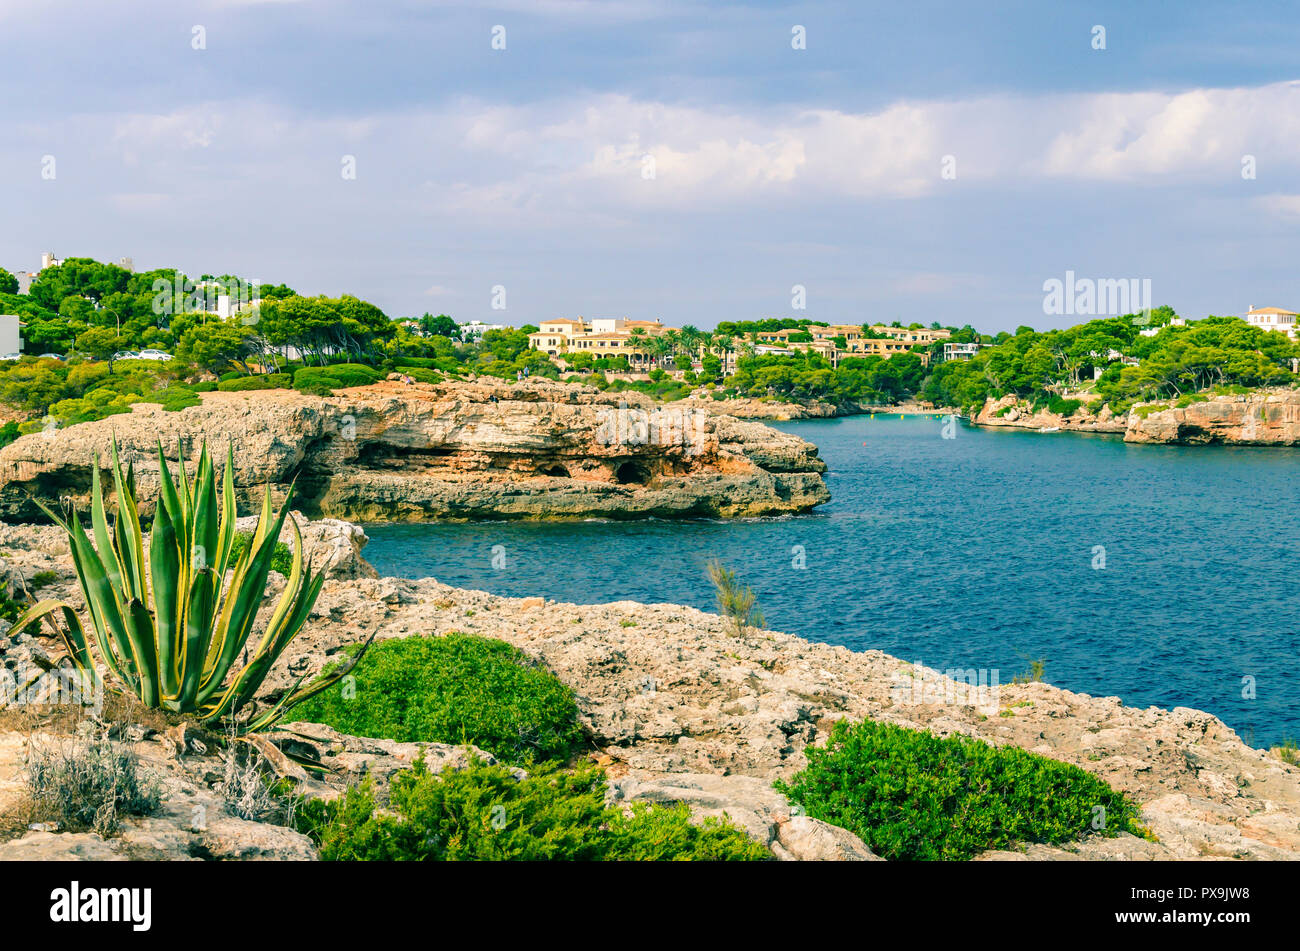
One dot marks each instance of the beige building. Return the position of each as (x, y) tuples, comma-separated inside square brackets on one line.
[(602, 337), (912, 336)]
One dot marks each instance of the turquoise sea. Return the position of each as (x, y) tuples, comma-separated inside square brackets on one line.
[(1163, 575)]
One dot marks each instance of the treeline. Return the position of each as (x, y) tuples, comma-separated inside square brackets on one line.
[(1175, 361)]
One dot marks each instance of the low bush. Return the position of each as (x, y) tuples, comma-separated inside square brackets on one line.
[(453, 689), (911, 795), (281, 558), (1063, 407), (420, 374), (174, 398), (329, 378), (484, 812), (270, 381)]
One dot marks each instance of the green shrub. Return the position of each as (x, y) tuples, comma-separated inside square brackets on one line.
[(281, 558), (483, 812), (421, 374), (8, 433), (1063, 407), (336, 377), (174, 398), (911, 795), (454, 689), (1146, 409), (271, 381)]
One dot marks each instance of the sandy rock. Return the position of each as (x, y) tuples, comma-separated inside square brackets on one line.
[(805, 839), (1269, 417), (351, 759), (396, 451), (59, 847)]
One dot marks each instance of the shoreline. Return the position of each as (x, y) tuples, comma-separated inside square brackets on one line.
[(670, 698)]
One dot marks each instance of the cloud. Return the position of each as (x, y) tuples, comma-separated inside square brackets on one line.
[(607, 157), (1197, 134)]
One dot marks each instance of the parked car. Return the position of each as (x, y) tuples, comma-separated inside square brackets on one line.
[(155, 355), (126, 355), (10, 356), (50, 356)]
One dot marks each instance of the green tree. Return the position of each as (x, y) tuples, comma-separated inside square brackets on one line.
[(100, 343)]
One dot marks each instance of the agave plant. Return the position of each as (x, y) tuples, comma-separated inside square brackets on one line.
[(164, 620)]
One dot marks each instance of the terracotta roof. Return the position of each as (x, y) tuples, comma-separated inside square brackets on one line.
[(1272, 310)]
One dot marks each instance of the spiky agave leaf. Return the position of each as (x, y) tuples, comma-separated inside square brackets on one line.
[(162, 623)]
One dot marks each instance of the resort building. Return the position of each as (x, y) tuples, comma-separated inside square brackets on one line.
[(912, 335), (962, 351), (874, 346), (603, 336), (619, 336), (477, 328), (1272, 318)]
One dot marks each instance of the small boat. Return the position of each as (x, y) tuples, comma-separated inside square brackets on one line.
[(1049, 429)]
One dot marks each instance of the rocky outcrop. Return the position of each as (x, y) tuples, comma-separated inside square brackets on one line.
[(750, 408), (668, 695), (199, 815), (1012, 413), (396, 451), (679, 710), (1261, 418)]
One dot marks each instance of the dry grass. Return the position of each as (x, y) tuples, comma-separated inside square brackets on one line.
[(736, 602), (87, 784)]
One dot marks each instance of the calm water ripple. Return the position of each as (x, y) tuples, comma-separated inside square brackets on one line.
[(976, 551)]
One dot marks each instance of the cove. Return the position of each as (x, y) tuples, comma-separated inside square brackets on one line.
[(1163, 575)]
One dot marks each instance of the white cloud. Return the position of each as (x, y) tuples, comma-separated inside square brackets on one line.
[(584, 163)]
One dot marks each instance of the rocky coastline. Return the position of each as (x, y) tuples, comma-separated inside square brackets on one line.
[(779, 411), (455, 451), (1269, 417), (678, 709)]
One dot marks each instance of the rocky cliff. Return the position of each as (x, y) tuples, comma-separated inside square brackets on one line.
[(398, 451), (1262, 418)]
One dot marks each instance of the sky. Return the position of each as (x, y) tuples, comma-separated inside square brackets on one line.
[(915, 160)]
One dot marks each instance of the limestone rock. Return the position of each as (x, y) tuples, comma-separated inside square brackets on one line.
[(1268, 417), (805, 839), (59, 847), (455, 450)]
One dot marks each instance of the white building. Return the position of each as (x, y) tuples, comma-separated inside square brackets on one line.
[(11, 338), (1272, 318), (477, 328), (962, 351)]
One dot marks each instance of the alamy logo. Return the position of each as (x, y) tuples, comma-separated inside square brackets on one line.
[(660, 427), (966, 686), (75, 904), (1104, 297)]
